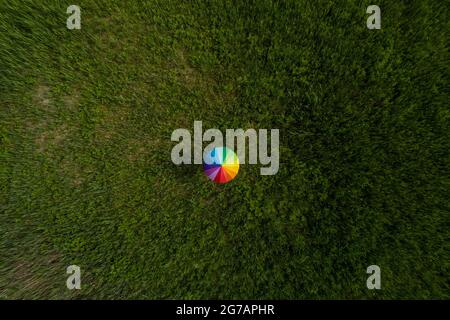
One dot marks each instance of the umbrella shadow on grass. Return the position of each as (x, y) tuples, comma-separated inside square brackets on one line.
[(185, 172)]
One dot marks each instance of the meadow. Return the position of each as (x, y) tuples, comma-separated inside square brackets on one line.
[(86, 176)]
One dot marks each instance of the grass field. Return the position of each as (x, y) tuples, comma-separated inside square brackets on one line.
[(86, 176)]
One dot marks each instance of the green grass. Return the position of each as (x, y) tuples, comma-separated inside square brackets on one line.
[(86, 176)]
